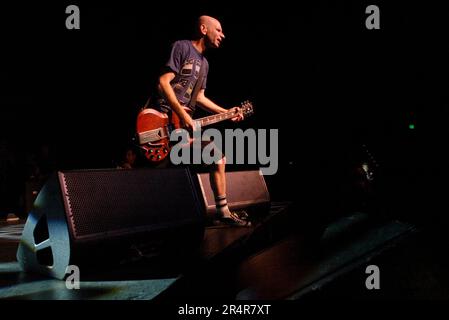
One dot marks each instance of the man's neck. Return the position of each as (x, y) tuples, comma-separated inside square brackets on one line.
[(199, 45)]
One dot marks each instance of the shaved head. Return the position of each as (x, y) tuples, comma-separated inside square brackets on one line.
[(207, 20), (209, 29)]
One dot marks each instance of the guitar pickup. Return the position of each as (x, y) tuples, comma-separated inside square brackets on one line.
[(152, 135)]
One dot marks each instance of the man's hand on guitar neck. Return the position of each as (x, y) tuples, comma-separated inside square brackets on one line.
[(239, 113), (212, 107)]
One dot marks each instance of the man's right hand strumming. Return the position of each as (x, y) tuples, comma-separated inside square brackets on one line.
[(167, 91), (187, 122)]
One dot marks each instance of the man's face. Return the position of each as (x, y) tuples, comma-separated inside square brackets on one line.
[(214, 34)]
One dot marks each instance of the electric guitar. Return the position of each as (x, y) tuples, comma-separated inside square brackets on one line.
[(153, 129)]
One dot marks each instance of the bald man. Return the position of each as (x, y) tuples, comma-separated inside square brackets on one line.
[(175, 89)]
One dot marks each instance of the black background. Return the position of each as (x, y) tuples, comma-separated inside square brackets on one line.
[(312, 69)]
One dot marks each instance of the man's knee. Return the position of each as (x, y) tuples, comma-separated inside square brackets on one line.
[(218, 166), (222, 161)]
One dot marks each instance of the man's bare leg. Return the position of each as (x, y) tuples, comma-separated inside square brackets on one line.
[(217, 178)]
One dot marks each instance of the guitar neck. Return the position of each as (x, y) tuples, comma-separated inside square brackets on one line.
[(216, 118)]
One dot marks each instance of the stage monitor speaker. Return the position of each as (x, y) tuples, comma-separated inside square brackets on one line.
[(93, 216), (244, 190)]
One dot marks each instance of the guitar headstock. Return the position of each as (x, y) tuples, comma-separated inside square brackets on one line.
[(247, 108)]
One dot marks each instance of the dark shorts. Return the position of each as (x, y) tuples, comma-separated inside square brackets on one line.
[(197, 148)]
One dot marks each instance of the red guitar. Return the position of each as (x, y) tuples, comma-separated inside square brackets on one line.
[(153, 129)]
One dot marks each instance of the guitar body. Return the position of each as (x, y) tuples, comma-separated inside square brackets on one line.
[(153, 129), (153, 135)]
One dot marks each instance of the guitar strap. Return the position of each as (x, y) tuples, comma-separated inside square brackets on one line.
[(198, 85)]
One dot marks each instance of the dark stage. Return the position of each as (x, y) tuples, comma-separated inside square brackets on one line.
[(268, 262), (359, 118), (265, 262)]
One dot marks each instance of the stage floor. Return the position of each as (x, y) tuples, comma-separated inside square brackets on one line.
[(257, 263)]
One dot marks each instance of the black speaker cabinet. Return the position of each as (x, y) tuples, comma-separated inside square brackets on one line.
[(244, 190), (93, 216)]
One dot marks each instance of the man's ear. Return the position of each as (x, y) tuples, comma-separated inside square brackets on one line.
[(203, 29)]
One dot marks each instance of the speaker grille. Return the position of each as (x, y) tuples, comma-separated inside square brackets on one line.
[(244, 189), (102, 203)]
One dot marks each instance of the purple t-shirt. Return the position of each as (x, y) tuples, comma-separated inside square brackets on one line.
[(185, 61)]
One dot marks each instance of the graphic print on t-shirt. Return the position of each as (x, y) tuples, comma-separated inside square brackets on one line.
[(184, 83)]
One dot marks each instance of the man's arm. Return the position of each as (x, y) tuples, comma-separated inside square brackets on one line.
[(169, 93), (211, 106)]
